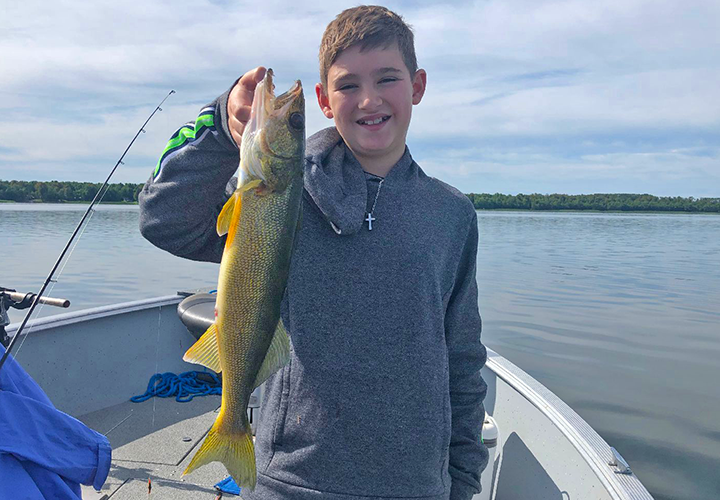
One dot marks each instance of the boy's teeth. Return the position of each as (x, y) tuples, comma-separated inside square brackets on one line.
[(372, 122)]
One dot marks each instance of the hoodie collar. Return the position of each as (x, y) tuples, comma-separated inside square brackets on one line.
[(336, 181)]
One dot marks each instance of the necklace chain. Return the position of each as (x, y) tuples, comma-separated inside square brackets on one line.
[(372, 210), (370, 217)]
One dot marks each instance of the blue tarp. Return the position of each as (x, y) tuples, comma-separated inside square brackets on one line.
[(44, 453)]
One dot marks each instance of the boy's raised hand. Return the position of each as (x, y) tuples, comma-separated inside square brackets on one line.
[(240, 102)]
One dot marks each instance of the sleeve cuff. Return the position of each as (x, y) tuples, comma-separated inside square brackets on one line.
[(460, 490), (103, 467), (222, 113)]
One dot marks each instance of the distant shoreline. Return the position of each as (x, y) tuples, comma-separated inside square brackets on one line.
[(600, 202), (63, 202), (594, 211), (127, 194), (551, 210)]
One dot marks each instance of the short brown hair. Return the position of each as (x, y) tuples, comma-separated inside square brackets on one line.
[(372, 26)]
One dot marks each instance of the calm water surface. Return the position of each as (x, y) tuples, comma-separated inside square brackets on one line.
[(618, 314)]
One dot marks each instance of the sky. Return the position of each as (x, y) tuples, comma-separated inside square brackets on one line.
[(523, 96)]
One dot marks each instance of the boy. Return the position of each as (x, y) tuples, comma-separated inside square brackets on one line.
[(383, 396)]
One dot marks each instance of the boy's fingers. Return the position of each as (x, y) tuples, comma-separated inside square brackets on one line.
[(242, 93), (237, 119), (249, 80), (236, 129), (240, 102), (242, 113)]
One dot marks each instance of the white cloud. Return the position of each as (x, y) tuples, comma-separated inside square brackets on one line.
[(76, 79), (658, 173), (654, 100)]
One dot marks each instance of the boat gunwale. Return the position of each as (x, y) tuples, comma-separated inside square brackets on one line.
[(93, 313), (591, 446)]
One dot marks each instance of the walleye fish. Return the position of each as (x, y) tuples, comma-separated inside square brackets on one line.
[(248, 342)]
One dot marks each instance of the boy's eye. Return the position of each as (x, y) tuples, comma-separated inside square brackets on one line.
[(388, 79), (347, 86)]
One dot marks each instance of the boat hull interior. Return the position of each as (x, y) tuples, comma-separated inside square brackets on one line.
[(91, 362)]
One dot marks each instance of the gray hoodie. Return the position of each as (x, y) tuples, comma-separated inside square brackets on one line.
[(383, 395)]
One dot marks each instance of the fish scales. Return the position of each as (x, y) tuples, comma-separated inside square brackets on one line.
[(255, 277), (247, 341)]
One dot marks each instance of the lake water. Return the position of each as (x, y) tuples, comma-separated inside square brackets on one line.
[(618, 314)]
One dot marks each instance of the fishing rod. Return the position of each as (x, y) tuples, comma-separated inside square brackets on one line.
[(11, 298), (96, 199)]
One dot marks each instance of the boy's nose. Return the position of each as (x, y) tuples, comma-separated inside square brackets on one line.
[(370, 100)]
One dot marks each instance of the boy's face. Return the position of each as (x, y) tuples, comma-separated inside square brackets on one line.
[(369, 87)]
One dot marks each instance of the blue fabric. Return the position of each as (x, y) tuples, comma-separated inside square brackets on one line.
[(44, 453), (228, 485)]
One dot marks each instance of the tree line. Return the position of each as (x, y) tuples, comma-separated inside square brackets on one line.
[(601, 202), (58, 191)]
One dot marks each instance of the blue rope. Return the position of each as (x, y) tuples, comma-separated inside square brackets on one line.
[(184, 386)]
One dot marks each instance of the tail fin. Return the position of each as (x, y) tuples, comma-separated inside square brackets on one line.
[(236, 452)]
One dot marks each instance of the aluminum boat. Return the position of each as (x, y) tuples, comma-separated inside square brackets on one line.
[(91, 362)]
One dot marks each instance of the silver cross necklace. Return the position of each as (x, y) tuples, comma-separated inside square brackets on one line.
[(370, 217)]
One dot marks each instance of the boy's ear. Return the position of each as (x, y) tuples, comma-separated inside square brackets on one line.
[(418, 86), (323, 101)]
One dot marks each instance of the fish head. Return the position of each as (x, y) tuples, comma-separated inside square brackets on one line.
[(273, 143)]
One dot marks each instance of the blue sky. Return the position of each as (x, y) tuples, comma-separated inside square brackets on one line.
[(523, 96)]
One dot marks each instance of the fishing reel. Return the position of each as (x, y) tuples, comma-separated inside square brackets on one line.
[(10, 297)]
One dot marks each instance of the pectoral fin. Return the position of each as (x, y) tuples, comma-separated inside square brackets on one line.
[(249, 185), (230, 213), (226, 214), (205, 351), (277, 356)]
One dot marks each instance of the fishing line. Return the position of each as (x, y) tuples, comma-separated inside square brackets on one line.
[(157, 346), (74, 234), (157, 354), (118, 424), (30, 328), (55, 281)]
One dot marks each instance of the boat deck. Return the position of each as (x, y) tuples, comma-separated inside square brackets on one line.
[(156, 439)]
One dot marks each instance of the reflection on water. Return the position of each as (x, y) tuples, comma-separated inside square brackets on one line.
[(618, 314), (111, 262)]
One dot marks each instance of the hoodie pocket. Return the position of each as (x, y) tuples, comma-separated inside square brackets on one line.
[(446, 432), (281, 414)]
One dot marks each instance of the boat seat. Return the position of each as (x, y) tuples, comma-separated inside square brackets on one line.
[(197, 312)]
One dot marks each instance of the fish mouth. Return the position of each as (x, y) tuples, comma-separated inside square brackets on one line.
[(284, 99), (294, 91), (271, 101)]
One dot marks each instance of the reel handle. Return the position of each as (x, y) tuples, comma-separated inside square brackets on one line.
[(21, 300)]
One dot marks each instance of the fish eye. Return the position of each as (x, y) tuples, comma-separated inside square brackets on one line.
[(297, 121)]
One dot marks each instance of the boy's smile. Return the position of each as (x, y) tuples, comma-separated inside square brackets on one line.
[(370, 95)]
